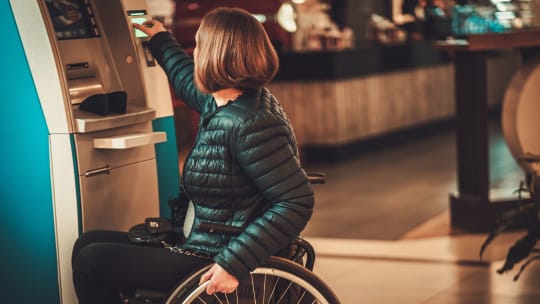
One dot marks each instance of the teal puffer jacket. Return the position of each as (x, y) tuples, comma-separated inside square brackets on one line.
[(243, 170)]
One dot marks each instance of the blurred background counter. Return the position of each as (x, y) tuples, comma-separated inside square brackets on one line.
[(342, 101), (355, 73)]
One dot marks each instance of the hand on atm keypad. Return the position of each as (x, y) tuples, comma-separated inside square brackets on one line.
[(150, 27)]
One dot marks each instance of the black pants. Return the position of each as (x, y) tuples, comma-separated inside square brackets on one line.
[(105, 264)]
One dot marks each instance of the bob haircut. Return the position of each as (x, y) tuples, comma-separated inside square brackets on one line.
[(233, 51)]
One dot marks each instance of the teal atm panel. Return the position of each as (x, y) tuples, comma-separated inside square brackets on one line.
[(167, 158), (28, 263)]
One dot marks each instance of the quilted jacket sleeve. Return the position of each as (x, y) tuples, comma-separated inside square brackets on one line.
[(179, 69), (265, 153)]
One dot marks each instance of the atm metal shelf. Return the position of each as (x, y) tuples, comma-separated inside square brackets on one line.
[(88, 122), (130, 140)]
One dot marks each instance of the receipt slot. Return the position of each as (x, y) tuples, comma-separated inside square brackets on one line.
[(102, 128)]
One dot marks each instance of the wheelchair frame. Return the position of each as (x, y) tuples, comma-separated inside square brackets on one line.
[(296, 270)]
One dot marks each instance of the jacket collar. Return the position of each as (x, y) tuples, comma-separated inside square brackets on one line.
[(249, 100)]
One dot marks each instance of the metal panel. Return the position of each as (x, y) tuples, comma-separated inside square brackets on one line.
[(120, 199), (92, 159)]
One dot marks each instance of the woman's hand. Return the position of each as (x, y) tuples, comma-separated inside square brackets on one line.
[(150, 27), (220, 280)]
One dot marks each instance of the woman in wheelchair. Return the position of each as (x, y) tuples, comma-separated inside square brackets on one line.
[(243, 171)]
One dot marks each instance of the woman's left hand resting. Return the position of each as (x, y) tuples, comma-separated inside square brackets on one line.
[(220, 280)]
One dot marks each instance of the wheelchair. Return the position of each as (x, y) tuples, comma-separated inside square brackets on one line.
[(278, 280)]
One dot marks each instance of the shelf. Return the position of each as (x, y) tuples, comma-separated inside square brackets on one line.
[(89, 122), (130, 140)]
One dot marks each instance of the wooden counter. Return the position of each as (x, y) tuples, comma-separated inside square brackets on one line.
[(491, 41), (339, 100)]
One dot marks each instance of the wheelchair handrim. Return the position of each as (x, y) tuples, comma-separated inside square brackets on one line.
[(266, 271)]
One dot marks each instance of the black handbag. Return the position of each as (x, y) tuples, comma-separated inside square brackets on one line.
[(154, 232)]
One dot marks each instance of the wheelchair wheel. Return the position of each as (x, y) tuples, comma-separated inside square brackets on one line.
[(278, 281)]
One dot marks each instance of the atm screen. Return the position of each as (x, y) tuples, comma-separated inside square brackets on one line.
[(138, 16), (72, 19)]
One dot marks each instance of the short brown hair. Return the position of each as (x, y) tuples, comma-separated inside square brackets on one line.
[(233, 51)]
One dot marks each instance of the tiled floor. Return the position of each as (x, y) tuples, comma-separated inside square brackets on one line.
[(382, 233), (437, 270)]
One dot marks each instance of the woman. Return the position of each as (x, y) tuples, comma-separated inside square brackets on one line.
[(243, 170)]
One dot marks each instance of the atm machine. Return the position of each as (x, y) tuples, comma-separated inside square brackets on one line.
[(89, 140)]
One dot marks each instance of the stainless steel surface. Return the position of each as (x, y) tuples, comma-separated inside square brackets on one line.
[(121, 199), (118, 36), (80, 89), (129, 141), (86, 122), (90, 158)]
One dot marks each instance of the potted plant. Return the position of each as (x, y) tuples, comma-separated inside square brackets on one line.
[(526, 213)]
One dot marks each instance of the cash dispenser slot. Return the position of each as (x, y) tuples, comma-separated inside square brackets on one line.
[(83, 81), (80, 89)]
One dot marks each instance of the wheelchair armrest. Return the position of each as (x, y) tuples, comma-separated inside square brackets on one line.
[(304, 249)]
